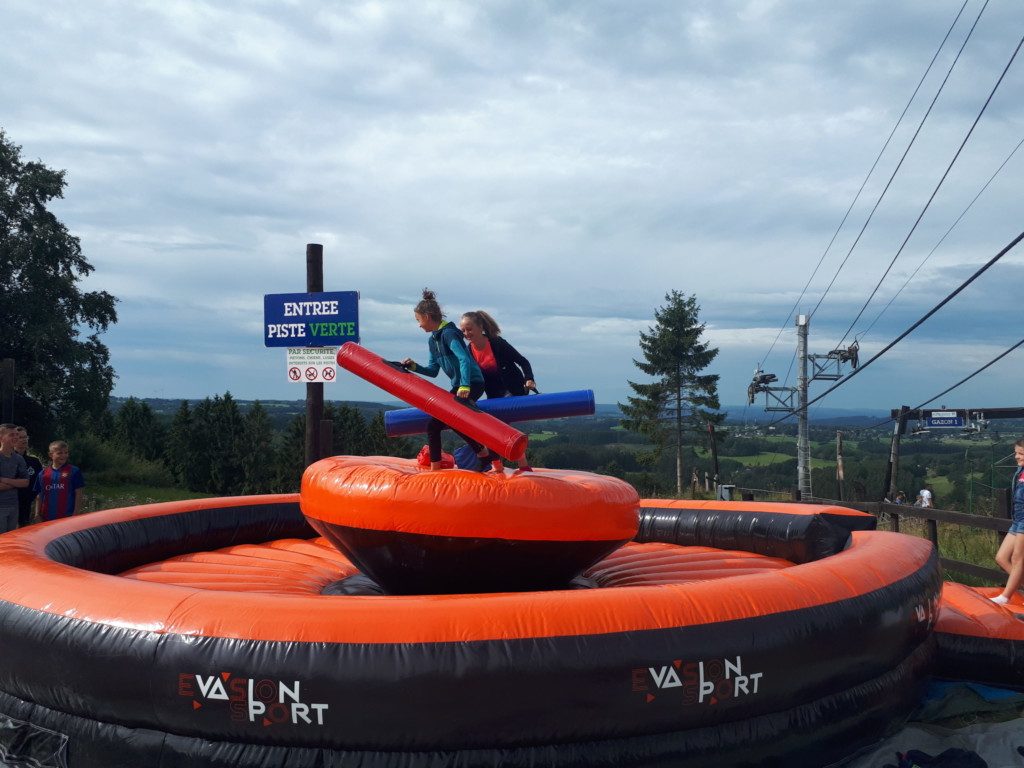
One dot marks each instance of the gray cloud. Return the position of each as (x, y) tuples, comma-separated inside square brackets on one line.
[(562, 165)]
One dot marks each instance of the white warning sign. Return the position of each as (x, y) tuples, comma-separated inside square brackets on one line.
[(312, 365)]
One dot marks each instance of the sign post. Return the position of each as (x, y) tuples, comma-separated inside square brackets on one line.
[(312, 325)]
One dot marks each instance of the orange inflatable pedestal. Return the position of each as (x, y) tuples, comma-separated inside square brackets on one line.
[(452, 531)]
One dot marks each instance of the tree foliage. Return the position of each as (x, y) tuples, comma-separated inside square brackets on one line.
[(216, 447), (680, 400), (61, 378)]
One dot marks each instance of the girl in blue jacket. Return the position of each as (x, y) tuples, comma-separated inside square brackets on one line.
[(448, 353)]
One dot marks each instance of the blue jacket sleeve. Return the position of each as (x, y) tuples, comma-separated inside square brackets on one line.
[(465, 361), (432, 366)]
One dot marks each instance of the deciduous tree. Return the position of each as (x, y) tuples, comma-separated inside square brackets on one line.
[(60, 377)]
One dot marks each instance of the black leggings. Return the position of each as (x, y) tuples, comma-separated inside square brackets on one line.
[(436, 426)]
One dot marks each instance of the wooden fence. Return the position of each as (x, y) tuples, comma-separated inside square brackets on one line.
[(999, 523)]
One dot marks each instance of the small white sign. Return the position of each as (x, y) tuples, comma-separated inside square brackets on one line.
[(312, 365)]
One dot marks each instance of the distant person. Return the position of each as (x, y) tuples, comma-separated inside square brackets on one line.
[(901, 498), (27, 495), (59, 486), (924, 498), (448, 353), (13, 476), (506, 372), (1010, 556)]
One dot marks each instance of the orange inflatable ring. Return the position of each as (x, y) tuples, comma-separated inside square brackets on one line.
[(420, 532)]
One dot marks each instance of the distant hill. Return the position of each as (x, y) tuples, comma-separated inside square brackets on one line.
[(737, 413)]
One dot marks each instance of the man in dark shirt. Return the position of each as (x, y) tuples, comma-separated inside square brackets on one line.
[(13, 475), (26, 495)]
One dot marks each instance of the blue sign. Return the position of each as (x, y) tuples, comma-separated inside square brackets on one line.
[(310, 319), (940, 419)]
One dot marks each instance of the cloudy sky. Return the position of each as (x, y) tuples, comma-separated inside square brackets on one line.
[(562, 165)]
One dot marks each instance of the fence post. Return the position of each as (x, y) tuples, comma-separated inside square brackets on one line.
[(933, 532), (1003, 508)]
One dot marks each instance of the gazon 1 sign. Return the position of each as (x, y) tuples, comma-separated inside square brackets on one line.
[(310, 319)]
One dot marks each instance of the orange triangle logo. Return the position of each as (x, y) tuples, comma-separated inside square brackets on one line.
[(677, 663), (195, 704), (650, 698), (224, 676), (266, 722)]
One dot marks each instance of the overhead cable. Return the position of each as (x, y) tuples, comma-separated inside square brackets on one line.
[(856, 197), (978, 273), (964, 380), (937, 187), (899, 165), (941, 240)]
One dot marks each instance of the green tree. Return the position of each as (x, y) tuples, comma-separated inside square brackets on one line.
[(227, 444), (137, 429), (178, 454), (681, 400), (351, 437), (60, 377), (257, 455)]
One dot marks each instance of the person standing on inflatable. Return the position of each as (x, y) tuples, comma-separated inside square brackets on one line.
[(506, 372), (448, 353), (1010, 556)]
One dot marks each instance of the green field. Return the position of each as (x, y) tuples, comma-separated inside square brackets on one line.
[(99, 496)]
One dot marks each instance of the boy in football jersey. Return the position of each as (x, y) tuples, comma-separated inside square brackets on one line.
[(59, 486)]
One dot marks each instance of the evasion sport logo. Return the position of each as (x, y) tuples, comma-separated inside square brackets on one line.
[(267, 702), (708, 682)]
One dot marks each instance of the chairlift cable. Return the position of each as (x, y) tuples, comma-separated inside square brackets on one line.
[(964, 380), (978, 273), (941, 240), (935, 191), (856, 197), (899, 165)]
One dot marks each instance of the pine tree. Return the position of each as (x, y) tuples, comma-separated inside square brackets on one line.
[(178, 448), (228, 446), (350, 434), (680, 400), (291, 456), (257, 456), (137, 429)]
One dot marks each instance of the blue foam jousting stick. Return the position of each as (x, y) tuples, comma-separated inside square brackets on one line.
[(413, 421)]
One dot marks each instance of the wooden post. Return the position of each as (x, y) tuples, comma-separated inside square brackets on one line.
[(840, 476), (326, 437), (314, 391)]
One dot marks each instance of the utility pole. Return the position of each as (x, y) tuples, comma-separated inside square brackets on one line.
[(822, 367), (803, 447)]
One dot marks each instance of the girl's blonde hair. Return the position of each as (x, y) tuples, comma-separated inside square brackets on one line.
[(486, 323)]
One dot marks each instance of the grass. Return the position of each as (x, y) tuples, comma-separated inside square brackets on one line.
[(99, 496)]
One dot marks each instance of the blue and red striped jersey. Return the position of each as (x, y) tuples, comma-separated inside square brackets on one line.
[(56, 489)]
